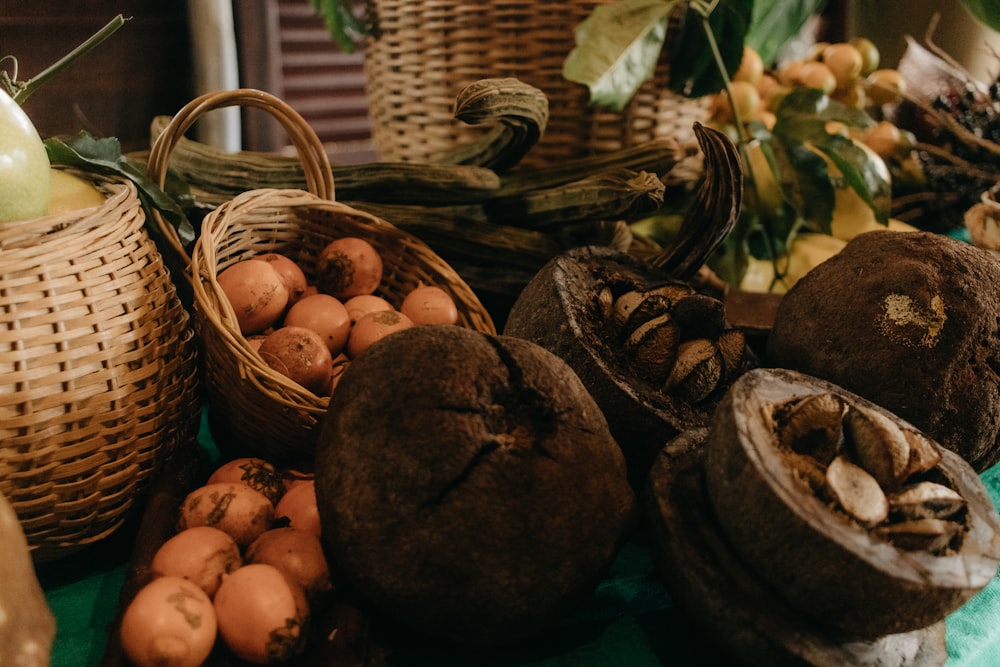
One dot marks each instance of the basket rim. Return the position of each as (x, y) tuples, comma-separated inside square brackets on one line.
[(216, 311)]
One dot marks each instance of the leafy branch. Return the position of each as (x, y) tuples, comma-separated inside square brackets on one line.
[(620, 43)]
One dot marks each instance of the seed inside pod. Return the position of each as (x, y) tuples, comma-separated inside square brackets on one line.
[(931, 535), (924, 454), (732, 345), (879, 446), (857, 492), (700, 316), (696, 372), (926, 500), (812, 425), (653, 347)]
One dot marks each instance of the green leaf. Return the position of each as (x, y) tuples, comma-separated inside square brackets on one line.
[(344, 27), (775, 23), (104, 156), (617, 47), (694, 70), (985, 11), (800, 136)]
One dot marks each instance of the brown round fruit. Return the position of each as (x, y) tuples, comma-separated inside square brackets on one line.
[(429, 304), (347, 267), (373, 327), (447, 456), (299, 354), (324, 314), (292, 273), (257, 293), (910, 322)]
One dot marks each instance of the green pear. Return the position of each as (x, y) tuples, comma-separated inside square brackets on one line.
[(24, 165)]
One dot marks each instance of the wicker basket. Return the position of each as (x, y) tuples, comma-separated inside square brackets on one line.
[(99, 375), (253, 409), (423, 52)]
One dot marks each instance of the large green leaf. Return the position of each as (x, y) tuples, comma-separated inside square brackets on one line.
[(986, 11), (799, 138), (617, 48), (104, 156), (775, 23), (694, 70)]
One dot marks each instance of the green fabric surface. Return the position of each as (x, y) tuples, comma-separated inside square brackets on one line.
[(627, 622)]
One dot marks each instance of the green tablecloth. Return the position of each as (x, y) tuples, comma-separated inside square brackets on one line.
[(628, 621)]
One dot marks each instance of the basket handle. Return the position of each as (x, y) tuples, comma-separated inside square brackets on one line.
[(315, 161)]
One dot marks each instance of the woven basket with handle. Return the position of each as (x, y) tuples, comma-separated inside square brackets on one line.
[(423, 52), (99, 381), (254, 409)]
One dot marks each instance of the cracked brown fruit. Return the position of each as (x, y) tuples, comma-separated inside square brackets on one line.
[(872, 550), (912, 323), (711, 584), (468, 485), (611, 317)]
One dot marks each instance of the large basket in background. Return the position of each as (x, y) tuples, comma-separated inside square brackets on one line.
[(423, 52), (98, 370), (253, 409)]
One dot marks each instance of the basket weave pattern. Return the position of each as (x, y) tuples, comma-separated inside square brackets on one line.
[(251, 406), (99, 377), (423, 52)]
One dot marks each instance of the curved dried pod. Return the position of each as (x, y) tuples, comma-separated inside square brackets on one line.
[(565, 309), (707, 581), (519, 113), (853, 578)]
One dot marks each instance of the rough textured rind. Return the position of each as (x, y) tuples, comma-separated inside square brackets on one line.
[(557, 311), (710, 583), (825, 567), (910, 322), (468, 485)]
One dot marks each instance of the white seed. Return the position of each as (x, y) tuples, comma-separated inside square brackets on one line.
[(857, 492), (926, 500), (879, 446)]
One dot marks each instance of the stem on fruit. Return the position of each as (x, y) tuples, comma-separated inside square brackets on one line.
[(22, 91)]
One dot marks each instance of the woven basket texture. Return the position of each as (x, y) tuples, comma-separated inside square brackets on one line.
[(98, 370), (423, 52), (253, 409)]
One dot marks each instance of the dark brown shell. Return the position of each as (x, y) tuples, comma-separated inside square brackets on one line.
[(826, 567), (468, 484), (708, 582), (558, 310), (912, 323)]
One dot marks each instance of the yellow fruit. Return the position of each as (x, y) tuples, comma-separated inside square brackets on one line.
[(885, 86), (845, 62), (751, 67), (767, 190), (69, 192), (817, 75), (808, 250), (746, 99), (24, 165), (870, 55)]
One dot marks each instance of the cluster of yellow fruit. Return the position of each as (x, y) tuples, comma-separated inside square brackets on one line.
[(846, 71), (849, 73)]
